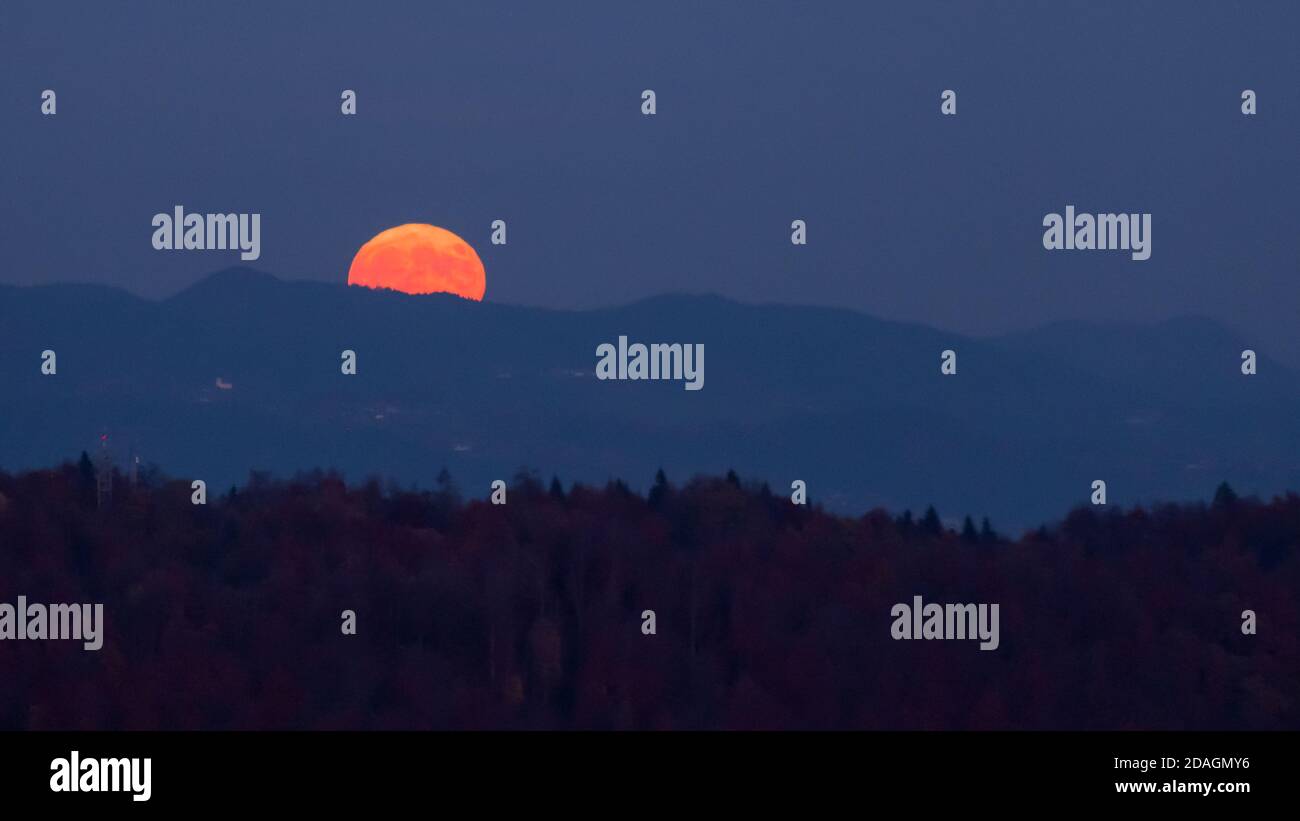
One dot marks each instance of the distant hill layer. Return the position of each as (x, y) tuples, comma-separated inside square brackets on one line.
[(242, 371)]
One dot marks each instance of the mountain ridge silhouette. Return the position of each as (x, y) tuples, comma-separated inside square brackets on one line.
[(853, 405)]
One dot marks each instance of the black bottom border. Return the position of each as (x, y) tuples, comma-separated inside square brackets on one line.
[(495, 770)]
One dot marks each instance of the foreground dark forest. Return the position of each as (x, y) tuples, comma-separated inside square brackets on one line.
[(528, 615)]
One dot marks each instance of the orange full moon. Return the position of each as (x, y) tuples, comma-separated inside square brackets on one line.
[(419, 259)]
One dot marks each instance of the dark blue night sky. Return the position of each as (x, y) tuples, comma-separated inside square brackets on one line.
[(767, 112)]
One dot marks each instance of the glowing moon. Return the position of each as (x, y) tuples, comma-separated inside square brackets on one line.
[(419, 259)]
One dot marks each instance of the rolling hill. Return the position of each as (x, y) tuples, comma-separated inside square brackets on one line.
[(241, 372)]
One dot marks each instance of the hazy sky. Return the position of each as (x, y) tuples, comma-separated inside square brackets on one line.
[(767, 112)]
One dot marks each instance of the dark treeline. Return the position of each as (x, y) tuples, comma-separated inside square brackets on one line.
[(529, 615)]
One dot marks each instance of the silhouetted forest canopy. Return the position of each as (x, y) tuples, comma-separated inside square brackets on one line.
[(529, 615)]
